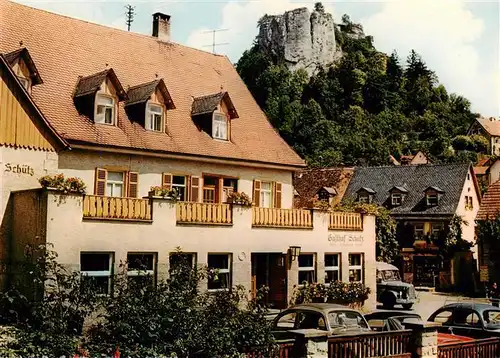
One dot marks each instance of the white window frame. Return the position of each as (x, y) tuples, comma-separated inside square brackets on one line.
[(101, 118), (356, 267), (395, 197), (418, 232), (184, 186), (143, 272), (266, 191), (432, 196), (307, 268), (108, 273), (364, 198), (217, 122), (115, 182), (333, 268), (436, 228), (151, 115), (222, 271)]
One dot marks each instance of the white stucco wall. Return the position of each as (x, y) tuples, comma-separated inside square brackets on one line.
[(71, 235), (468, 231), (83, 164)]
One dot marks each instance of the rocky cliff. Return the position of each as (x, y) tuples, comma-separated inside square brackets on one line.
[(300, 39)]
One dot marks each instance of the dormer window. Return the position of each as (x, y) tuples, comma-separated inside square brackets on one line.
[(219, 126), (26, 83), (105, 110), (365, 195), (396, 199), (433, 195), (213, 114), (148, 103), (154, 118), (23, 66)]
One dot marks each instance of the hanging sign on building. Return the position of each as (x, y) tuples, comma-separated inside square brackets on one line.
[(483, 273)]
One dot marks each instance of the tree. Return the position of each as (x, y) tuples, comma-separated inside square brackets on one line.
[(319, 7)]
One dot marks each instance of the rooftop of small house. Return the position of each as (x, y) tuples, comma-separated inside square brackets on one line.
[(447, 180), (73, 61), (490, 203), (490, 125), (308, 182)]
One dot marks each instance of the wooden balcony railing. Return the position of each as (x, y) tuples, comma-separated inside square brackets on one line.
[(370, 345), (113, 208), (288, 218), (345, 221), (204, 213)]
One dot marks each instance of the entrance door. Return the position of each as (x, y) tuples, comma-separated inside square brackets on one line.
[(269, 269)]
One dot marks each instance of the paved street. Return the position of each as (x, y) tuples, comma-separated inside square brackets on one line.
[(428, 302)]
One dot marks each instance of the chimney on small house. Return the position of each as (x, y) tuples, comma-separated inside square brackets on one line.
[(161, 26)]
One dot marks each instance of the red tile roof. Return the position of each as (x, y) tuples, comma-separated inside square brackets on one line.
[(64, 49), (490, 204), (490, 125)]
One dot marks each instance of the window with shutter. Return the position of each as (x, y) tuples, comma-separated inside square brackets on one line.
[(195, 189), (100, 181), (256, 192), (277, 195), (166, 180), (133, 184)]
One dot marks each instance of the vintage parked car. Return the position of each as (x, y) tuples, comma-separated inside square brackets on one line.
[(477, 320), (333, 318), (391, 290), (394, 321)]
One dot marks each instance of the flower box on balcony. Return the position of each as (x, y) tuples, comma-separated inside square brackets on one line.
[(237, 198), (164, 193), (60, 183)]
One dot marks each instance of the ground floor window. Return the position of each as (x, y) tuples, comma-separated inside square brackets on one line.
[(141, 268), (356, 267), (307, 268), (97, 267), (220, 268), (332, 268), (180, 259), (418, 229)]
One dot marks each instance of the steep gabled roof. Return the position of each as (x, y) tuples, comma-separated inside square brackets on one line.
[(24, 54), (22, 95), (490, 204), (66, 48), (491, 125), (141, 93), (449, 178)]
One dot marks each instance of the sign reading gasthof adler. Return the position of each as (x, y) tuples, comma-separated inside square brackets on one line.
[(345, 238)]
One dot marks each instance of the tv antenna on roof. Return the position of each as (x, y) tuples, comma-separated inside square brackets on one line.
[(214, 43)]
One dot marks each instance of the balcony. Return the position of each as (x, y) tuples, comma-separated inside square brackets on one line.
[(345, 221), (113, 208), (204, 213), (282, 218)]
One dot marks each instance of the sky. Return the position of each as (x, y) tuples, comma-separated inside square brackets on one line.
[(459, 40)]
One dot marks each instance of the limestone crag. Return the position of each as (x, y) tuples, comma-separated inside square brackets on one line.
[(300, 39)]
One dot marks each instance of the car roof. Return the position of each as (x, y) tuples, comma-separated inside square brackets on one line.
[(388, 314), (385, 266), (321, 307), (479, 307)]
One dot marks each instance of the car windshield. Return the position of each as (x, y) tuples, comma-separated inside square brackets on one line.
[(492, 317), (391, 275), (346, 319)]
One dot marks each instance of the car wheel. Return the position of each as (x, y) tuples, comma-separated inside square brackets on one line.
[(407, 306), (389, 301)]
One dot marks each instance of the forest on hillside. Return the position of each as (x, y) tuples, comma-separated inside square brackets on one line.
[(363, 108)]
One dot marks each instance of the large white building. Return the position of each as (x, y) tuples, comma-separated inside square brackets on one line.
[(126, 112)]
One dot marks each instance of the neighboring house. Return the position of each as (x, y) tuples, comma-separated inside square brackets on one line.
[(141, 111), (418, 158), (325, 184), (490, 129), (423, 199), (489, 251)]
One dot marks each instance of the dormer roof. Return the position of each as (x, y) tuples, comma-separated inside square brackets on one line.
[(401, 189), (366, 189), (329, 190), (23, 54), (142, 93), (208, 104), (91, 84), (434, 188)]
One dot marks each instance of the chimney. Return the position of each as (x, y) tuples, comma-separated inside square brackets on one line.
[(161, 26)]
